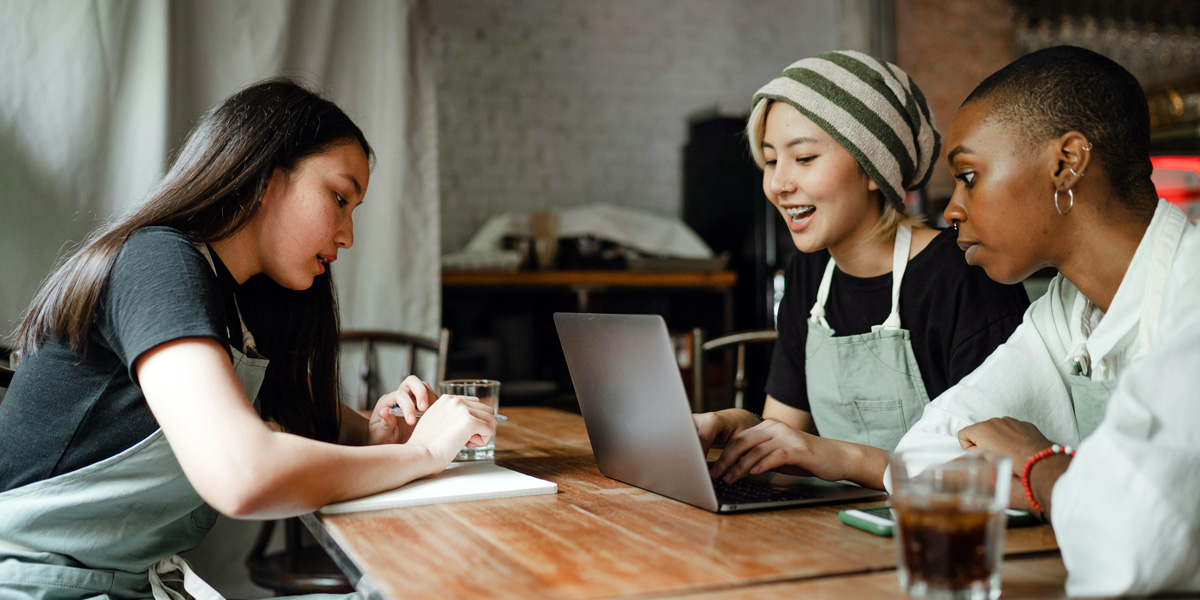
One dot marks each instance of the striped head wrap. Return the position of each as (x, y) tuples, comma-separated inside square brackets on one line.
[(872, 108)]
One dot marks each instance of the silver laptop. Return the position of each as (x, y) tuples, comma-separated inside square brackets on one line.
[(640, 423)]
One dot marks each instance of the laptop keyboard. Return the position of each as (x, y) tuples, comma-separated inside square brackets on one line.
[(749, 492)]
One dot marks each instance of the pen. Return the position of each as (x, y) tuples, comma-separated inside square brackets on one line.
[(395, 410)]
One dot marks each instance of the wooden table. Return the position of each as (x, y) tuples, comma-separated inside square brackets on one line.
[(584, 283), (599, 538)]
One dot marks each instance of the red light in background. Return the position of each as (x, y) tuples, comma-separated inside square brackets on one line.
[(1177, 178)]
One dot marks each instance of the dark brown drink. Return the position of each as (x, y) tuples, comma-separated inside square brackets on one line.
[(948, 546)]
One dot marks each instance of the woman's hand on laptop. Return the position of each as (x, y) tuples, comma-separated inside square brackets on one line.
[(775, 446), (772, 445), (717, 428)]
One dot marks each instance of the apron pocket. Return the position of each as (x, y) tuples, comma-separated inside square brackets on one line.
[(204, 517), (51, 581), (883, 420)]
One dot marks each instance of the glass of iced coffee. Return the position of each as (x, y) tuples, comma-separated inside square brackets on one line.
[(950, 519)]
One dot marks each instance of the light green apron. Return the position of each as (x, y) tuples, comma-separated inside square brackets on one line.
[(1090, 397), (102, 531), (864, 388)]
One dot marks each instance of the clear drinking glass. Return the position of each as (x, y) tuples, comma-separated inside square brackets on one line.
[(488, 392), (950, 522)]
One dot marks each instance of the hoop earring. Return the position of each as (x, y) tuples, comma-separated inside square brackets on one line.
[(1070, 203), (1071, 168)]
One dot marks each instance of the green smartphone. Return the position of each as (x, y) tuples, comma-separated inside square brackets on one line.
[(874, 519), (879, 521)]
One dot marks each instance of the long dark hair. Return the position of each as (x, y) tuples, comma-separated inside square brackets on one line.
[(211, 191)]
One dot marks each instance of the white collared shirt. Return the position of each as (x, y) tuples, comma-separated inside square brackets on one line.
[(1026, 377), (1127, 511)]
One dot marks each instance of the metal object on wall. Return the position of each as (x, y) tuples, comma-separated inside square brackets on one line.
[(1175, 114), (1157, 40)]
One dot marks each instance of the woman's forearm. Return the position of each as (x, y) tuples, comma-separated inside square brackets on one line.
[(795, 418), (1043, 476), (239, 465), (864, 464), (286, 475)]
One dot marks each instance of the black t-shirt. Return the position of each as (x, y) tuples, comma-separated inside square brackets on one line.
[(955, 314), (65, 411)]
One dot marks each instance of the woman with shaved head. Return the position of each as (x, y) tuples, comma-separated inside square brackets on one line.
[(1051, 156)]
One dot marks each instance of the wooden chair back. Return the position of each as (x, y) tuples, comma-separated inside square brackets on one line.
[(737, 342), (369, 383)]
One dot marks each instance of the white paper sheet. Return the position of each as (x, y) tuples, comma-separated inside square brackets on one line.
[(459, 482)]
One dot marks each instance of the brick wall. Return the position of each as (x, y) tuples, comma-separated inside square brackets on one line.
[(547, 103), (948, 48)]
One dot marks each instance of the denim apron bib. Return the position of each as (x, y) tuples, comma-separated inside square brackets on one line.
[(1090, 397), (101, 531), (864, 388)]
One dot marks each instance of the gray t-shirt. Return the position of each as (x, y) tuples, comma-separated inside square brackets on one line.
[(65, 411)]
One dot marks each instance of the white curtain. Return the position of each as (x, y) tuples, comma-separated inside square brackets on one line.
[(94, 96)]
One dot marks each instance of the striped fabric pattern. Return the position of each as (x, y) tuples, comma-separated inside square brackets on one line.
[(872, 108)]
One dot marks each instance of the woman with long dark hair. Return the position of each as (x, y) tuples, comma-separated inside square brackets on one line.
[(183, 362)]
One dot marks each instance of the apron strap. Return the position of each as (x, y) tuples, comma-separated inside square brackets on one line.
[(900, 250), (192, 584), (247, 337), (817, 314)]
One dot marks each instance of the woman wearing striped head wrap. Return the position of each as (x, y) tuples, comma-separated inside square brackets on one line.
[(880, 313)]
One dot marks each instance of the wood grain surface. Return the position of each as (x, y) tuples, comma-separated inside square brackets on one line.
[(600, 538)]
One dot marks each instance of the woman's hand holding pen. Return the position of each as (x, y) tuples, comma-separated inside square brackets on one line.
[(441, 425), (412, 396), (451, 423)]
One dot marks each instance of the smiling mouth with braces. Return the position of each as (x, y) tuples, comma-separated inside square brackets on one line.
[(798, 213)]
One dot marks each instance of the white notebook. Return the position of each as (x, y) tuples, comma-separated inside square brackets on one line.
[(459, 482)]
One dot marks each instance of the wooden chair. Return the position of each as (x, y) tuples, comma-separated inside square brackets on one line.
[(370, 380), (303, 567), (734, 341)]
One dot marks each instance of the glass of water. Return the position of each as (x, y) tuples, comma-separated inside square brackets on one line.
[(488, 392)]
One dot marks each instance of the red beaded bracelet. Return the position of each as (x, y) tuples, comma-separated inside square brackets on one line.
[(1055, 449)]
